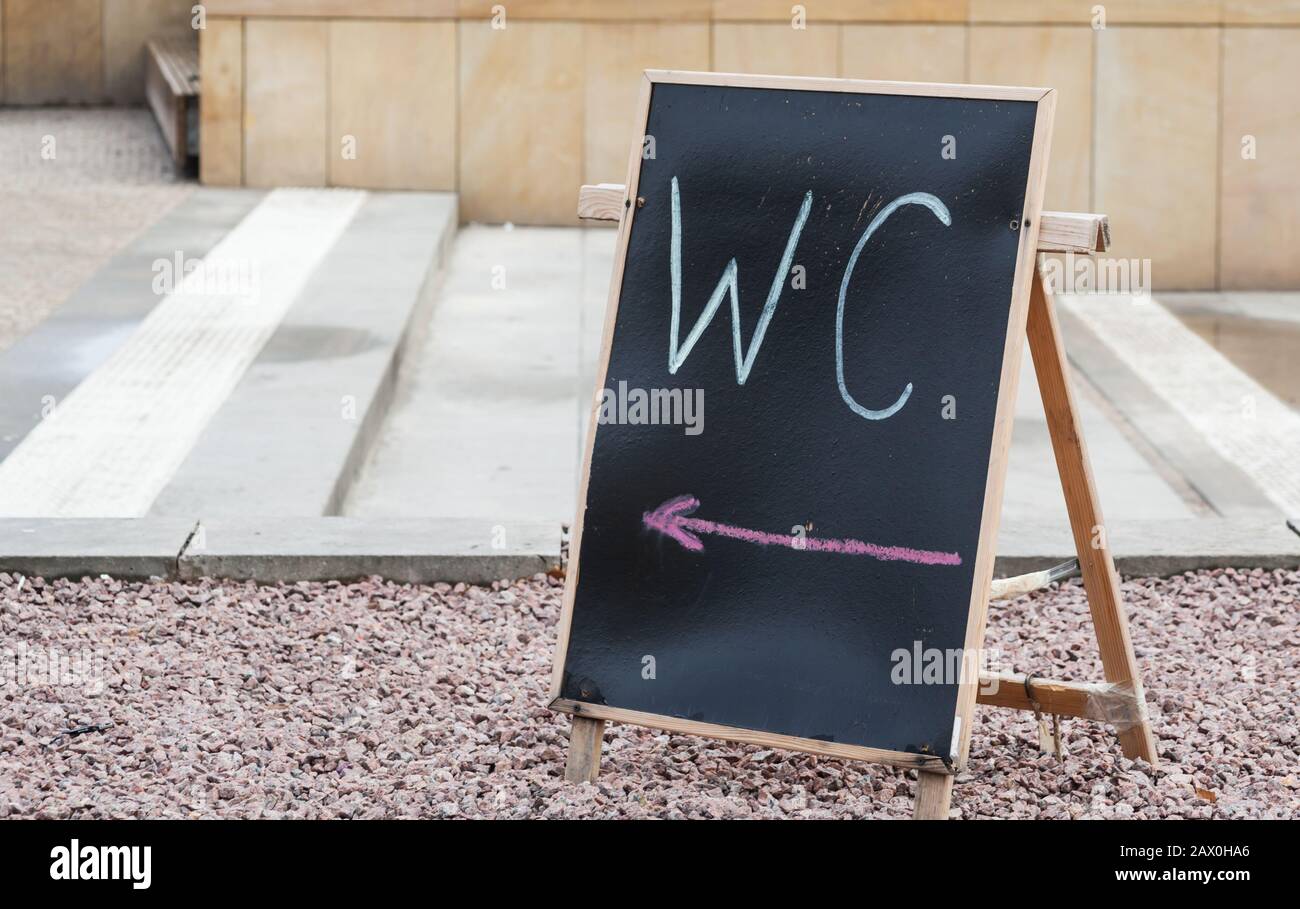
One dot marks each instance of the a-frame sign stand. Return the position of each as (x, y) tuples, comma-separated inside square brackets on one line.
[(1119, 699)]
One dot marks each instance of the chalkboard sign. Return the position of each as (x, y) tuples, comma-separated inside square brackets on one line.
[(788, 515)]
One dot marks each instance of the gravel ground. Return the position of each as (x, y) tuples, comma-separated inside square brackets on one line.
[(378, 699), (64, 216)]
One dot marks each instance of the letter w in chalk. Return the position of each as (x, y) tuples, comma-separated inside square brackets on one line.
[(729, 284)]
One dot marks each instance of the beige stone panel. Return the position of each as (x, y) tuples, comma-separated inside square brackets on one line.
[(844, 10), (392, 95), (617, 54), (593, 10), (907, 53), (521, 121), (1080, 12), (128, 26), (1261, 12), (337, 9), (1162, 12), (1031, 11), (776, 49), (53, 52), (1156, 148), (1051, 56), (221, 108), (285, 88), (1259, 216)]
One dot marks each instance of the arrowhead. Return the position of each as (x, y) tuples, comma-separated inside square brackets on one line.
[(669, 517)]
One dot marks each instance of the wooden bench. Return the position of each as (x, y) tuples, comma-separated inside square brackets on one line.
[(172, 89)]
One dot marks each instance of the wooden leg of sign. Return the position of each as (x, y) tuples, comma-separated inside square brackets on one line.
[(584, 750), (1097, 565), (933, 796)]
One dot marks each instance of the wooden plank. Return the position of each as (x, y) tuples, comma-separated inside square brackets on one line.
[(221, 113), (823, 84), (909, 760), (1098, 701), (1076, 232), (1085, 700), (1059, 231), (585, 738), (182, 56), (933, 796), (1000, 447), (602, 369), (1090, 537), (177, 61), (601, 202), (169, 106)]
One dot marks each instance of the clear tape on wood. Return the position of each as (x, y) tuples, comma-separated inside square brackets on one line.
[(1117, 703), (1010, 588)]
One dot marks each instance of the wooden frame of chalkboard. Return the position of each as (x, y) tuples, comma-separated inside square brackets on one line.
[(992, 502)]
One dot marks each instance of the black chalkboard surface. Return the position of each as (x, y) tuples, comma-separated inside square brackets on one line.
[(798, 440)]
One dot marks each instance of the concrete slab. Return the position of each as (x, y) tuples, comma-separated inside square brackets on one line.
[(121, 434), (1236, 416), (87, 547), (1129, 486), (411, 550), (42, 367), (1276, 306), (497, 429), (1258, 332), (293, 433), (484, 424), (1173, 446), (476, 551), (1158, 548)]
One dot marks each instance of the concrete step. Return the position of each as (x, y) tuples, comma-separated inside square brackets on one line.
[(290, 438), (279, 549), (486, 422), (491, 420), (477, 551), (40, 369), (414, 550), (254, 386)]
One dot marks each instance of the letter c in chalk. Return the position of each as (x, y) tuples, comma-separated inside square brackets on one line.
[(940, 212)]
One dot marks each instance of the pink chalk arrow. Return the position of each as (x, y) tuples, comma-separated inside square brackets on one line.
[(671, 519)]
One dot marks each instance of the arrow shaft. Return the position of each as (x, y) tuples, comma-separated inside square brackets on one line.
[(844, 546)]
